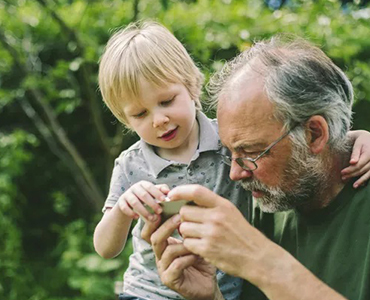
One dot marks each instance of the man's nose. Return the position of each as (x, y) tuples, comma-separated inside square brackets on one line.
[(238, 173), (159, 119)]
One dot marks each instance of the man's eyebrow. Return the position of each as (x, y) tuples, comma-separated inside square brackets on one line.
[(250, 146)]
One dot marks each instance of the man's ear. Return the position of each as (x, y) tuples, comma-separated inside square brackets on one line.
[(318, 134)]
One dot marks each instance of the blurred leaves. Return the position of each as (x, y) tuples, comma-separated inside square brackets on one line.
[(15, 153)]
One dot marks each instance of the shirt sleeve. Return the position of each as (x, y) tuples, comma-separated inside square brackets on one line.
[(119, 183)]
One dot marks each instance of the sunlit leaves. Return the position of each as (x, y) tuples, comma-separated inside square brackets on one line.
[(54, 59)]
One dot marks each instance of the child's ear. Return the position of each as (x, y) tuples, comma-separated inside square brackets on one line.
[(317, 134)]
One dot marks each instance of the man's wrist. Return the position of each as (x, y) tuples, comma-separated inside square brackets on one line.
[(275, 269), (291, 280)]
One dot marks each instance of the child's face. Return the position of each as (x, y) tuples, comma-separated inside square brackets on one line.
[(165, 116)]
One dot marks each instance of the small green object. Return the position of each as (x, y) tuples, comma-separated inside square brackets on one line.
[(170, 208)]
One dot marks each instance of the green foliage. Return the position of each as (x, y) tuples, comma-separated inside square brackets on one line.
[(87, 272), (15, 153), (57, 138)]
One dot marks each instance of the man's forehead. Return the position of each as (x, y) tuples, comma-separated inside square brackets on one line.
[(245, 94), (242, 78), (245, 114), (249, 135)]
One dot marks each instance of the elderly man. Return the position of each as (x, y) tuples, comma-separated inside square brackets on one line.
[(284, 110)]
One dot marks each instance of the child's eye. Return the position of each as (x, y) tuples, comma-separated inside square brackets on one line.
[(168, 102), (140, 115)]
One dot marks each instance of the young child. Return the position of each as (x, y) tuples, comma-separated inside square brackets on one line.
[(151, 85)]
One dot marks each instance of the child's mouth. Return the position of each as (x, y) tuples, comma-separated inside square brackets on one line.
[(169, 135)]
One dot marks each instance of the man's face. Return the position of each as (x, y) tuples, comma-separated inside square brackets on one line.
[(286, 176)]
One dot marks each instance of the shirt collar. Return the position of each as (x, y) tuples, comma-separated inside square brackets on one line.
[(208, 134), (208, 141)]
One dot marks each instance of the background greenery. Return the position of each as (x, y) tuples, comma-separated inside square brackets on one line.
[(58, 141)]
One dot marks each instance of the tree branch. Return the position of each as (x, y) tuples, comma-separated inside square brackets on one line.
[(89, 93), (135, 6), (60, 133), (57, 129), (48, 137)]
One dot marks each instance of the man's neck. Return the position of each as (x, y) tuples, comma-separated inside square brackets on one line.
[(329, 189)]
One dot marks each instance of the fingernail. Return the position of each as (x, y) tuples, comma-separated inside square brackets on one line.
[(355, 185), (153, 218), (344, 178), (176, 219), (159, 210)]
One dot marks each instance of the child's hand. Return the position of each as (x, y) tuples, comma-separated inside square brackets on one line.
[(360, 158), (132, 201)]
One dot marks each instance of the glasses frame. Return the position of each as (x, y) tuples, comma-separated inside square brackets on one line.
[(240, 160)]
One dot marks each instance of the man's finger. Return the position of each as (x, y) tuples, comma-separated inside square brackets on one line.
[(171, 253), (195, 246), (171, 241), (193, 230), (149, 228), (160, 236), (192, 213), (175, 270), (196, 193)]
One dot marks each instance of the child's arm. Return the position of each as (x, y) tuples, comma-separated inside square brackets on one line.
[(360, 158), (111, 233)]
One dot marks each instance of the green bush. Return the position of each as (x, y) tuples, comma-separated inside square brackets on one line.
[(58, 141)]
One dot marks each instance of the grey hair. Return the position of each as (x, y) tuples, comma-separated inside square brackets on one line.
[(299, 79)]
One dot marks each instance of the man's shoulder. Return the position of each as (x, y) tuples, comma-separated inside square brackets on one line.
[(363, 192), (360, 200)]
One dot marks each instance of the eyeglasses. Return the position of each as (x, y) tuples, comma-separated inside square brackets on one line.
[(248, 163)]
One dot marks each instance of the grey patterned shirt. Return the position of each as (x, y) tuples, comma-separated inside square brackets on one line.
[(140, 162)]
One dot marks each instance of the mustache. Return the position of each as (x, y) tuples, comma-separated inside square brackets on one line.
[(254, 184), (270, 192)]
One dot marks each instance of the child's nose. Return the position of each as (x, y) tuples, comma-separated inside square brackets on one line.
[(159, 120)]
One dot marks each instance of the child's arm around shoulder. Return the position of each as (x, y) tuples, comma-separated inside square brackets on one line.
[(360, 158)]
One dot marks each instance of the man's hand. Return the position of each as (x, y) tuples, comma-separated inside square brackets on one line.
[(179, 269), (218, 232)]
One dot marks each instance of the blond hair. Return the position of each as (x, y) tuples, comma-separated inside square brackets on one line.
[(144, 50)]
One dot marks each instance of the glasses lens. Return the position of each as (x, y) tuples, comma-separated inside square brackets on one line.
[(246, 163)]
